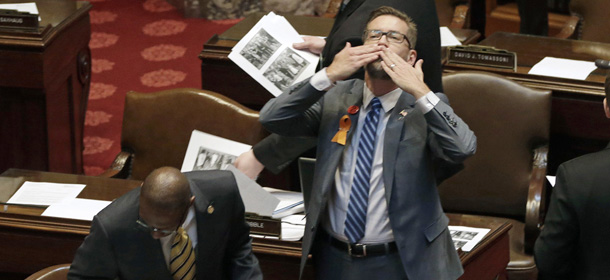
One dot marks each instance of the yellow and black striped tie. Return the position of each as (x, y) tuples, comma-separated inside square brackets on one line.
[(182, 257)]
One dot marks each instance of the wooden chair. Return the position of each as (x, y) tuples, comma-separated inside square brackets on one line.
[(56, 272), (157, 128), (506, 177), (505, 17), (589, 21)]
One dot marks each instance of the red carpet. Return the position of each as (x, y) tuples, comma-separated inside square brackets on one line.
[(141, 45)]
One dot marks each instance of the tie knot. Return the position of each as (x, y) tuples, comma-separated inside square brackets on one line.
[(375, 104)]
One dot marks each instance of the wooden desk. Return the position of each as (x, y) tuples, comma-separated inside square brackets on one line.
[(44, 86), (578, 124), (31, 242)]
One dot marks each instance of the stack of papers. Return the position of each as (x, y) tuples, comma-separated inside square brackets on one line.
[(290, 202), (563, 68), (467, 237), (266, 54)]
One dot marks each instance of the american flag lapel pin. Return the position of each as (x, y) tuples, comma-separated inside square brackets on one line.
[(402, 114)]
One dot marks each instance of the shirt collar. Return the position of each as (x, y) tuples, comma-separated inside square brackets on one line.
[(388, 100)]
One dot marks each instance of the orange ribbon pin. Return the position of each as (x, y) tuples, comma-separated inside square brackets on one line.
[(344, 124)]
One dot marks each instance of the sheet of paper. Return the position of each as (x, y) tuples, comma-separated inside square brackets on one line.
[(40, 193), (77, 208), (266, 54), (209, 152), (551, 180), (255, 198), (290, 202), (467, 237), (447, 38), (293, 227), (29, 7), (563, 68)]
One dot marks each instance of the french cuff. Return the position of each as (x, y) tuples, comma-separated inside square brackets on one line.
[(320, 80), (426, 103)]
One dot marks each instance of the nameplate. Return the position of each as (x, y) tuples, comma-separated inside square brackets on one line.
[(12, 19), (483, 56), (264, 225)]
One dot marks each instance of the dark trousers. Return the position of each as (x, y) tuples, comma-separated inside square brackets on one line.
[(333, 264)]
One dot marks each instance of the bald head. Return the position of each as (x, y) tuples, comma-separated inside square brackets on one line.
[(166, 189)]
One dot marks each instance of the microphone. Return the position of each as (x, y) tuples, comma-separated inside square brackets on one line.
[(603, 64)]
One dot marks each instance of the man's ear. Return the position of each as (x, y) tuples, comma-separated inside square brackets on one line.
[(606, 109), (412, 57)]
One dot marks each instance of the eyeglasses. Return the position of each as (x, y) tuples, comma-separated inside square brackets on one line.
[(143, 226), (392, 36), (163, 232)]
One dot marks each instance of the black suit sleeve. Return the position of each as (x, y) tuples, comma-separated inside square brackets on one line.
[(555, 248), (243, 264), (94, 258), (275, 152)]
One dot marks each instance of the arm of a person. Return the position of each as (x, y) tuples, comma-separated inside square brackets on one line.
[(94, 258), (275, 152), (554, 249), (243, 264)]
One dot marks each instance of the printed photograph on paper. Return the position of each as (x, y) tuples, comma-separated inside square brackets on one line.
[(208, 159), (285, 69), (260, 48), (210, 152)]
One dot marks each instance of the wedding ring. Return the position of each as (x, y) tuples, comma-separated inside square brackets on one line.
[(392, 66)]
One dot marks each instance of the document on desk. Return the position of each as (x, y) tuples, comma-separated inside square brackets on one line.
[(563, 68), (447, 38), (44, 194), (266, 54), (22, 7), (293, 227), (467, 237), (77, 208)]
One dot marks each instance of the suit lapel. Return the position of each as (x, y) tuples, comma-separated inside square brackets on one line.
[(205, 232), (393, 132)]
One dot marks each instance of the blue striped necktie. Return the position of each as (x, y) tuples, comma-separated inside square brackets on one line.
[(355, 220)]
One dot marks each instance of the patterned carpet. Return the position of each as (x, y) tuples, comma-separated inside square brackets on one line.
[(140, 45)]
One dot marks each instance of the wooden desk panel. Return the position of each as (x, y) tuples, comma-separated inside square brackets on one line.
[(577, 117), (44, 87), (31, 242)]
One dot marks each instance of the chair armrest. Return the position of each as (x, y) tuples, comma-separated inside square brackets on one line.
[(536, 198), (120, 167), (333, 8), (59, 271), (569, 28), (460, 14)]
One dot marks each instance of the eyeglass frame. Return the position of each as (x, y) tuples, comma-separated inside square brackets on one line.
[(165, 232), (386, 33)]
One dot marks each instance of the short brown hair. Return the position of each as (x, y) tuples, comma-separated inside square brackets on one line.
[(386, 10)]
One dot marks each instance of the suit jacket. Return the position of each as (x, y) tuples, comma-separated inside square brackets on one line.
[(574, 243), (116, 248), (276, 152), (412, 145)]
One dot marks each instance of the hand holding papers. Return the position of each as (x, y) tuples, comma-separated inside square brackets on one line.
[(266, 54)]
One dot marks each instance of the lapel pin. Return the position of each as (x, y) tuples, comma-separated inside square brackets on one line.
[(344, 125), (352, 110), (402, 114), (210, 209)]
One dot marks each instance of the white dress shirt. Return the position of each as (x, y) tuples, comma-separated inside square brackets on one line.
[(189, 225)]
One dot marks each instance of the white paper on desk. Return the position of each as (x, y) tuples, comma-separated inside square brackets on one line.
[(40, 193), (290, 202), (77, 208), (563, 68), (467, 237), (256, 199), (551, 180), (447, 38), (22, 7), (266, 54), (293, 227)]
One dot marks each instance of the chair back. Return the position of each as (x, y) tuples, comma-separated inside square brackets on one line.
[(595, 19), (56, 272), (157, 126), (453, 13), (510, 121)]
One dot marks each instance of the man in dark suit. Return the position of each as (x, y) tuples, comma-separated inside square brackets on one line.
[(276, 152), (133, 237), (574, 243), (374, 210)]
